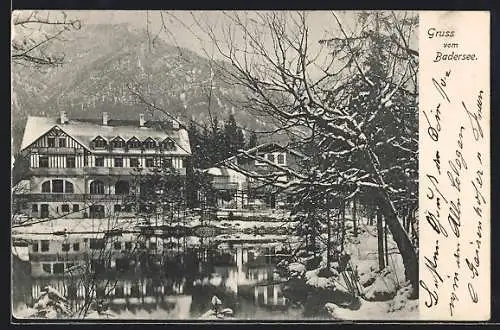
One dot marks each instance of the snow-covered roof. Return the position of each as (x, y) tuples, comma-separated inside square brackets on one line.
[(85, 131), (271, 145), (222, 171)]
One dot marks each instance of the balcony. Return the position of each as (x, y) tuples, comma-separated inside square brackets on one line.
[(104, 171), (57, 151), (52, 197), (219, 185)]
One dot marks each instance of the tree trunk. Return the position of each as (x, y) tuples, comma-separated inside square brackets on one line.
[(380, 240), (342, 211), (329, 240), (371, 214), (386, 246), (405, 246), (400, 236), (354, 219)]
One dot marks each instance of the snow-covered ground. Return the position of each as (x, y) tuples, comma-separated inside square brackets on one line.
[(390, 281), (383, 294), (46, 229)]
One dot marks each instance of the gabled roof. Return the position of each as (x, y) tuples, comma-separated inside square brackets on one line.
[(85, 131), (269, 145)]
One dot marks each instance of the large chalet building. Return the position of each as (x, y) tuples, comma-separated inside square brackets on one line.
[(81, 168)]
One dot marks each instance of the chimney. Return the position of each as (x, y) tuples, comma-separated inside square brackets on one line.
[(142, 120), (105, 118), (64, 117)]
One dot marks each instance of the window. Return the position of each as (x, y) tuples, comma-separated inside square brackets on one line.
[(99, 161), (259, 162), (45, 245), (150, 162), (68, 187), (97, 187), (35, 247), (128, 245), (70, 161), (44, 161), (65, 208), (76, 246), (152, 245), (57, 186), (181, 163), (65, 247), (47, 268), (117, 245), (59, 268), (119, 291), (99, 142), (149, 143), (168, 145), (270, 157), (76, 207), (134, 162), (34, 208), (97, 211), (281, 159), (134, 291), (96, 243), (167, 162), (117, 208), (72, 291), (62, 142), (51, 142), (118, 143), (118, 162), (134, 143)]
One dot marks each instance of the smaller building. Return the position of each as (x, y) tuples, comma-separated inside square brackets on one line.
[(229, 186), (250, 178)]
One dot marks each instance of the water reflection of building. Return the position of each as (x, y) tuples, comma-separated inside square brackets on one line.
[(254, 275), (247, 274), (57, 255)]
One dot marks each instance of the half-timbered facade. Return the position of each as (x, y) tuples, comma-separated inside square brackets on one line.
[(85, 168)]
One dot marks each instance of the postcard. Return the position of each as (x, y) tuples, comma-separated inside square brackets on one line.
[(196, 166)]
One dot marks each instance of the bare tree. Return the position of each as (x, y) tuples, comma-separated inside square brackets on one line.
[(33, 34), (357, 106)]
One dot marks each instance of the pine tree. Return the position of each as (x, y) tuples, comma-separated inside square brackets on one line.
[(233, 137), (253, 141)]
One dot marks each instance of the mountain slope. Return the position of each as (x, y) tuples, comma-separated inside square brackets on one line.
[(102, 61)]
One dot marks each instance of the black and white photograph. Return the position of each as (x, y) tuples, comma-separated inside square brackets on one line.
[(215, 165)]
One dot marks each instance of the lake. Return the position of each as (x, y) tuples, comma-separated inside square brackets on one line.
[(241, 275)]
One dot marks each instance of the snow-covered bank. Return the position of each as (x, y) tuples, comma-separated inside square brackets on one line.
[(358, 290)]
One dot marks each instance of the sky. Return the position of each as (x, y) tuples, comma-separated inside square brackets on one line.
[(320, 23)]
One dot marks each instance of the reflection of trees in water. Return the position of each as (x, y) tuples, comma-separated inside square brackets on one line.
[(202, 295), (144, 287)]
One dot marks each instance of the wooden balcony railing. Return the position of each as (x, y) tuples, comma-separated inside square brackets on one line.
[(104, 171), (91, 198)]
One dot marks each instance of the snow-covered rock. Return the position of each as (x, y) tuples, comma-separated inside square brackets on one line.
[(296, 269), (402, 299), (314, 280), (382, 289)]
